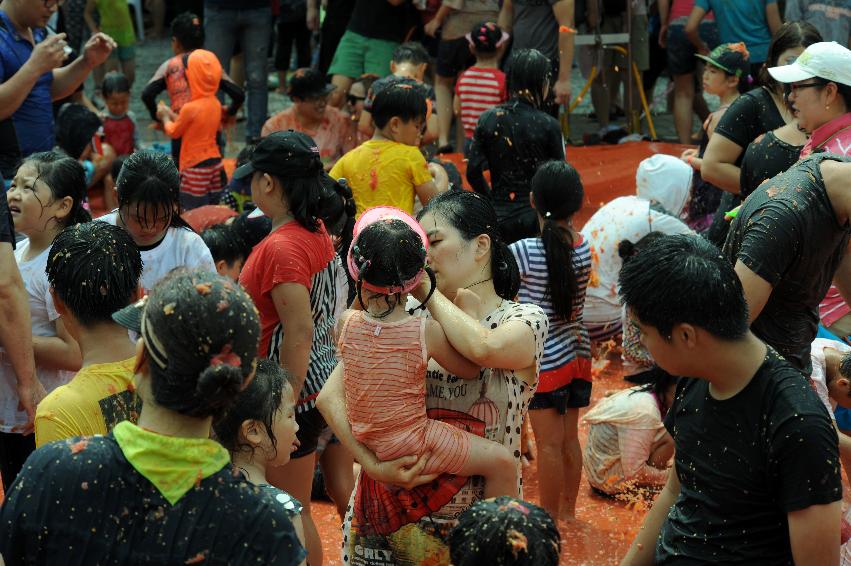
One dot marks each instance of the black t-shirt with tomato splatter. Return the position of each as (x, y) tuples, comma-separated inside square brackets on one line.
[(91, 506), (787, 233)]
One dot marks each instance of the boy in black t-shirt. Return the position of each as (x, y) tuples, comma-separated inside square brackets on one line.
[(756, 477)]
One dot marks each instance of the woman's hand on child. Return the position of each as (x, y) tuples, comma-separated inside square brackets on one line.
[(421, 291), (404, 472), (98, 49), (30, 394)]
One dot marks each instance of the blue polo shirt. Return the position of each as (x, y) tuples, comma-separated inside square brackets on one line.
[(33, 120), (742, 20)]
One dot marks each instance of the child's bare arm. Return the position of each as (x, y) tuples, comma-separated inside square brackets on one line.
[(448, 357), (89, 16)]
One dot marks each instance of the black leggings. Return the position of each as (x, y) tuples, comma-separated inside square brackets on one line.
[(287, 33), (14, 450)]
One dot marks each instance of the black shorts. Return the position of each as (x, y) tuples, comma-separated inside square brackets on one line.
[(311, 425), (574, 395), (681, 52), (453, 56)]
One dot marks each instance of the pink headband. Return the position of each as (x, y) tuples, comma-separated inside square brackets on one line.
[(377, 214)]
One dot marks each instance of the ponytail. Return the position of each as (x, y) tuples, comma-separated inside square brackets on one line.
[(504, 270), (562, 285)]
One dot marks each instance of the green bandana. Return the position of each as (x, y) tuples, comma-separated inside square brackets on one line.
[(174, 465)]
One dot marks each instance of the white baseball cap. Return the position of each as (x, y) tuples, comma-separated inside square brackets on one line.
[(826, 60)]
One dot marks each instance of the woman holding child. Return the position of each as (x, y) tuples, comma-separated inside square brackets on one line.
[(477, 279)]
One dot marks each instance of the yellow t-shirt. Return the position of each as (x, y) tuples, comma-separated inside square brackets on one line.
[(93, 402), (383, 173)]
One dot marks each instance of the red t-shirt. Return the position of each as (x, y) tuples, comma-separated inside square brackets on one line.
[(479, 90), (290, 254)]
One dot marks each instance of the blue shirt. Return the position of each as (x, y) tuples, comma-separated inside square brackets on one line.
[(33, 120), (742, 20)]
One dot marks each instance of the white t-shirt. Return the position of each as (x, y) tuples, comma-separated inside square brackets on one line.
[(179, 248), (43, 315), (819, 375), (625, 218)]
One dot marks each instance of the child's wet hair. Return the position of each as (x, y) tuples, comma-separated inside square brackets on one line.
[(151, 178), (659, 284), (473, 215), (65, 177), (558, 195), (94, 268), (504, 531), (259, 401), (389, 253), (845, 368), (188, 29), (201, 332), (224, 243), (411, 52), (251, 231), (76, 125), (114, 82), (528, 72), (398, 100)]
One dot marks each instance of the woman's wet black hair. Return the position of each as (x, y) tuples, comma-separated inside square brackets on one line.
[(201, 334), (684, 280), (789, 36), (224, 243), (400, 100), (65, 177), (75, 127), (628, 248), (528, 73), (259, 401), (558, 194), (94, 268), (504, 531), (473, 215), (388, 253), (188, 29), (151, 178), (114, 82), (251, 230)]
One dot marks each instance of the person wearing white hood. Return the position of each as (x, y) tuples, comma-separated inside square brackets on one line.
[(662, 184)]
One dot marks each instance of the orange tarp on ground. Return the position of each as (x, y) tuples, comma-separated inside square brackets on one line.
[(607, 171)]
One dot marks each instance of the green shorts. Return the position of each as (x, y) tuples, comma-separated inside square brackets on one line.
[(124, 53), (357, 55)]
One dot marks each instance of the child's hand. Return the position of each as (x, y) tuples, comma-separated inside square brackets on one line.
[(469, 302), (692, 152)]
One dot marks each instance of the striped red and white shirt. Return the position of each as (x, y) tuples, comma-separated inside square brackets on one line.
[(479, 89)]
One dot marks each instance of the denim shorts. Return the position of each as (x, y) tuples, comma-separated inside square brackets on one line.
[(574, 395), (681, 52)]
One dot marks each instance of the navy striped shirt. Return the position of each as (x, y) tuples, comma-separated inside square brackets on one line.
[(568, 339)]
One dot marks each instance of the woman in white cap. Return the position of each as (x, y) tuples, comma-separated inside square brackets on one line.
[(818, 90)]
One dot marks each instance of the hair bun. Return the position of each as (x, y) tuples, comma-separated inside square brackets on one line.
[(626, 249), (218, 385)]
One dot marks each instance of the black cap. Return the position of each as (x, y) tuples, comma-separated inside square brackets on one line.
[(284, 154), (309, 83), (131, 316)]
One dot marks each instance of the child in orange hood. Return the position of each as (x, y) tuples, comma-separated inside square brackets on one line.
[(197, 123)]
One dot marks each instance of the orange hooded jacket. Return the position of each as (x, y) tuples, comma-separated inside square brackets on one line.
[(200, 118)]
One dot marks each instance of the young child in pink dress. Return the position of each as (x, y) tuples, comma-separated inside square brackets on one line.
[(385, 352)]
